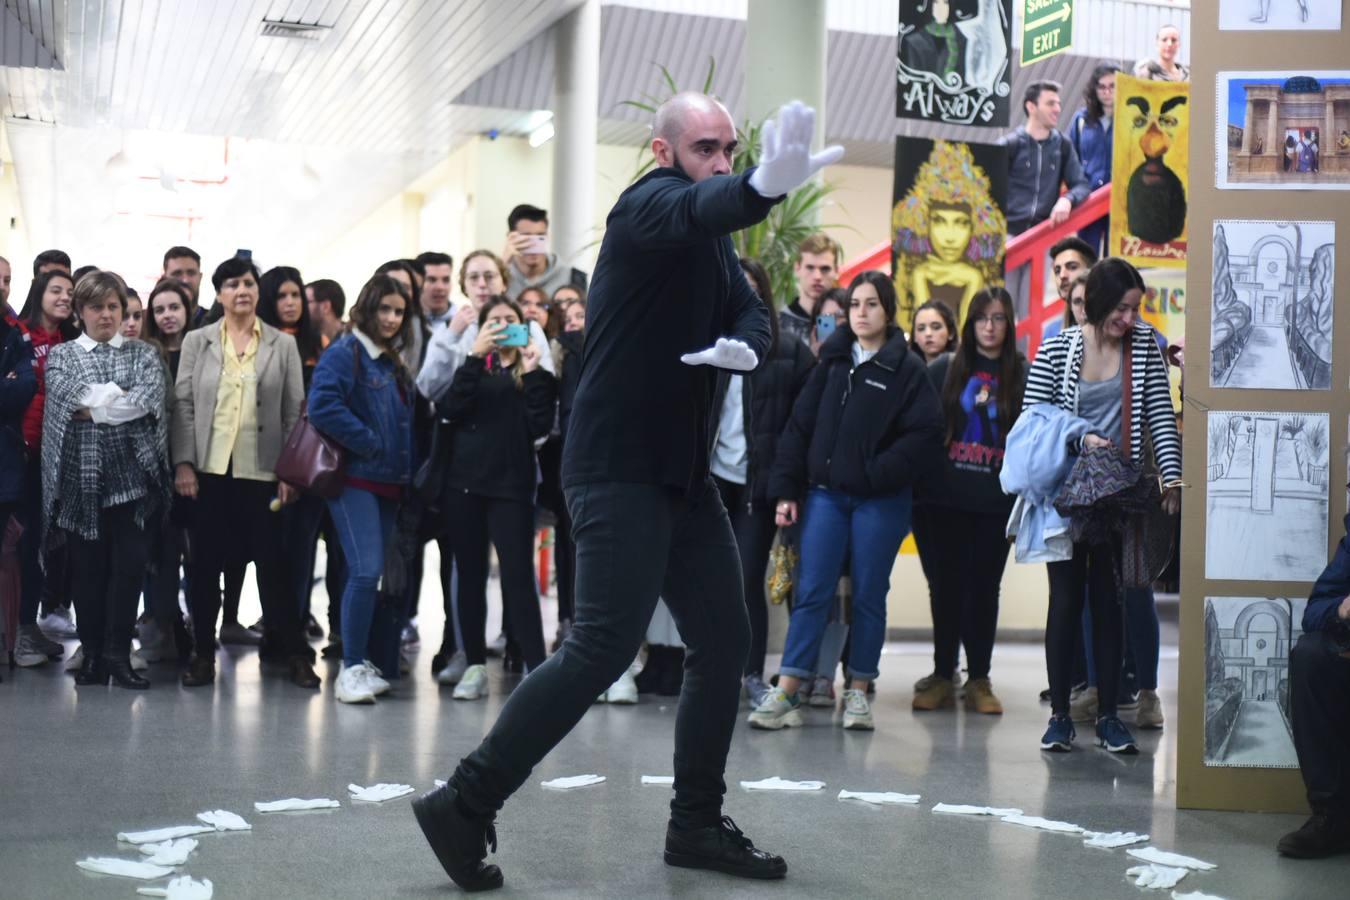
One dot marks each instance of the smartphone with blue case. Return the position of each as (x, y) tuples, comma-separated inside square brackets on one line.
[(824, 327), (514, 336)]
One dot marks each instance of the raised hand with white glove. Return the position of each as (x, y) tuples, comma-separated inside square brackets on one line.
[(727, 353), (785, 158)]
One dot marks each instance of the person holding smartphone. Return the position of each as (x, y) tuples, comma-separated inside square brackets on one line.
[(829, 316), (500, 402), (528, 258)]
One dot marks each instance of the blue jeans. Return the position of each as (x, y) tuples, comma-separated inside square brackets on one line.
[(363, 522), (833, 524), (1143, 637)]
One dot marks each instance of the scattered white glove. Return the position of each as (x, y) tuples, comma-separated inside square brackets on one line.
[(181, 888), (1110, 840), (572, 781), (958, 809), (169, 853), (886, 797), (157, 835), (727, 353), (779, 784), (127, 868), (294, 804), (665, 780), (223, 820), (378, 793), (1044, 824), (1154, 876), (1194, 895), (785, 158), (1164, 858)]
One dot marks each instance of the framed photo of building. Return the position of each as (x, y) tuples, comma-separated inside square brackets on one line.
[(1283, 131)]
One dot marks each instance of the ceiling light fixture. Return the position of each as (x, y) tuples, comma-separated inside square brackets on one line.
[(541, 135), (295, 31)]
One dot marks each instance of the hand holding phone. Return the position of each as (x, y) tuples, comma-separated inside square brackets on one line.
[(825, 326), (514, 335)]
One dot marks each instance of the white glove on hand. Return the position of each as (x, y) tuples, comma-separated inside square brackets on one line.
[(785, 159), (182, 888), (223, 820), (378, 793), (727, 353)]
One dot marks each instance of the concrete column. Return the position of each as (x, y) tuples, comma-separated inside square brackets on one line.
[(576, 101), (1248, 126), (785, 45), (1274, 139), (1327, 144)]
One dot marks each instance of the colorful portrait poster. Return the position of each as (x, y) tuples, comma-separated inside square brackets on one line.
[(1149, 179), (947, 223), (953, 61)]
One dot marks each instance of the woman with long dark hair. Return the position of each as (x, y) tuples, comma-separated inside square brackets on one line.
[(1082, 371), (934, 331), (1091, 135), (960, 516), (866, 427)]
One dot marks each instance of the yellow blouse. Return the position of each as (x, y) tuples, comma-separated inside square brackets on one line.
[(234, 428)]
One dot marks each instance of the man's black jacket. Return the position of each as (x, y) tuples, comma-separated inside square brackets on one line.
[(667, 282)]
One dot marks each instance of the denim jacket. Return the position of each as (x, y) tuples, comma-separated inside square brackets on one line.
[(355, 400)]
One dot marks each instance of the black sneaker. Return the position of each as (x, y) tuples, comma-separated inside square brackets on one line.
[(460, 840), (723, 848), (1320, 836)]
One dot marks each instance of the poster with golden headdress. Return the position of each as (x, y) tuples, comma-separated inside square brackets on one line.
[(1149, 178), (947, 223)]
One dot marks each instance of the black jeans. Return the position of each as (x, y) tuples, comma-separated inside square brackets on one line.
[(635, 542), (232, 523), (300, 523), (107, 576), (472, 521), (1319, 695), (1091, 574), (967, 552), (754, 529)]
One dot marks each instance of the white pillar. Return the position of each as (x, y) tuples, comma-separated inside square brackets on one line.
[(785, 50), (576, 101)]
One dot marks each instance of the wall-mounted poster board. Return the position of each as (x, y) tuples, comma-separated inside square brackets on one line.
[(1267, 405)]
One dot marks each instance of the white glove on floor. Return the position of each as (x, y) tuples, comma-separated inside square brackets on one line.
[(181, 888), (572, 781), (1044, 824), (1194, 895), (378, 793), (885, 797), (957, 809), (665, 780), (727, 353), (157, 835), (1164, 858), (169, 853), (785, 159), (775, 783), (223, 820), (1110, 840), (127, 868), (1155, 876), (294, 804)]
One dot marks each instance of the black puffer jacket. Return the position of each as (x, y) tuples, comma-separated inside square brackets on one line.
[(768, 396), (866, 431)]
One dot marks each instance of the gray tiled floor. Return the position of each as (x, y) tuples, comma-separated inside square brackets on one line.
[(78, 766)]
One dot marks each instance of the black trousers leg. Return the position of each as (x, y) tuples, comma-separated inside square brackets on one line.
[(449, 642), (1319, 697), (754, 530), (565, 558), (466, 525), (334, 576), (1089, 575), (283, 636), (982, 578), (234, 570), (129, 546), (90, 590), (212, 529), (1108, 624), (511, 529), (943, 552)]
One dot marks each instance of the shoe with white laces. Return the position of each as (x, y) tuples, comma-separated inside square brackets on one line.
[(474, 684), (624, 691), (777, 711), (60, 622), (352, 685), (28, 650), (822, 692), (454, 669), (857, 713), (53, 649), (374, 679)]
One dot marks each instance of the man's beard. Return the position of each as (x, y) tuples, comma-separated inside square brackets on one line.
[(679, 166)]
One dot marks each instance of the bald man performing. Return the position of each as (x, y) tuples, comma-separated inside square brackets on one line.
[(668, 307)]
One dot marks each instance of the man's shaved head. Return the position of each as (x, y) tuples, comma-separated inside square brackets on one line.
[(694, 133)]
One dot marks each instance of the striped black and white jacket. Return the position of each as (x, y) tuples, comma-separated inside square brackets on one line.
[(1151, 399)]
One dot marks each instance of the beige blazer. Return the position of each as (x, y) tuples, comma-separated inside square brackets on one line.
[(281, 393)]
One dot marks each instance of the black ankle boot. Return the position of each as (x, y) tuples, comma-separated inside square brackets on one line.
[(92, 671), (459, 839), (723, 848), (124, 676), (1321, 836)]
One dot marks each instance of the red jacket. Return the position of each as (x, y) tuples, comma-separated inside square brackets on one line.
[(43, 341)]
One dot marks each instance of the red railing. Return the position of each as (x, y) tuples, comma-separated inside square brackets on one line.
[(1029, 247)]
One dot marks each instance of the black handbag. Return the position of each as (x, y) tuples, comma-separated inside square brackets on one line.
[(1147, 536)]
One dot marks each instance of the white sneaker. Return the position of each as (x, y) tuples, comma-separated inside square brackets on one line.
[(624, 690), (76, 659), (857, 714), (352, 686), (454, 669), (374, 679), (777, 711), (60, 622), (138, 662), (474, 684), (29, 647)]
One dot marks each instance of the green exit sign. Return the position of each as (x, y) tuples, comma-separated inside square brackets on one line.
[(1047, 29)]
